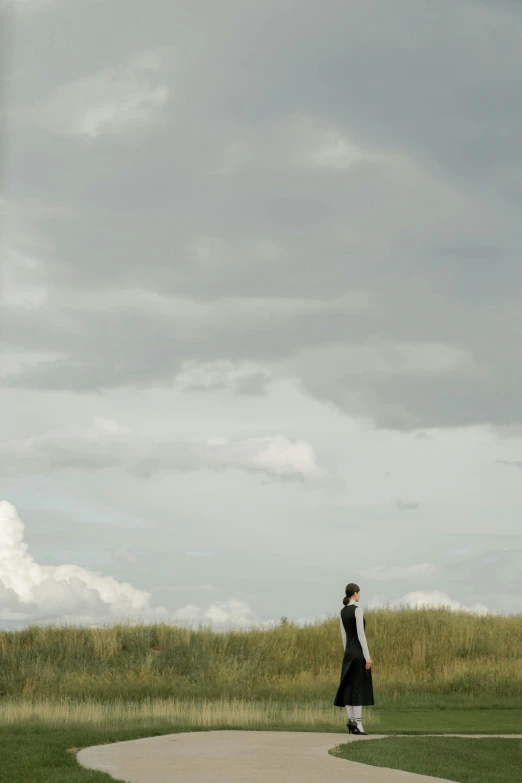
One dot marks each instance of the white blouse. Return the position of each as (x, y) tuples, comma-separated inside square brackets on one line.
[(360, 628)]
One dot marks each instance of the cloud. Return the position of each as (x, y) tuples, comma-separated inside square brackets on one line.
[(31, 593), (114, 102), (385, 573), (204, 588), (23, 286), (26, 5), (197, 318), (303, 143), (108, 444), (380, 357), (219, 614), (247, 378), (406, 505), (365, 378), (15, 362), (177, 334), (123, 552), (517, 463), (434, 599), (462, 574), (236, 230)]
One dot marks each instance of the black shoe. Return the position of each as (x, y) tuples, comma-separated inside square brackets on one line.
[(352, 725), (356, 729)]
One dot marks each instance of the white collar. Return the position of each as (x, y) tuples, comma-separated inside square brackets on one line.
[(351, 601)]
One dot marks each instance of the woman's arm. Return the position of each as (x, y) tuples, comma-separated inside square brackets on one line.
[(343, 634), (360, 631)]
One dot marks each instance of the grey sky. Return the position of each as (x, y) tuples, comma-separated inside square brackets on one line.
[(261, 292)]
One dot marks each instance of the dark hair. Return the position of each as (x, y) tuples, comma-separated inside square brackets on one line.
[(350, 590)]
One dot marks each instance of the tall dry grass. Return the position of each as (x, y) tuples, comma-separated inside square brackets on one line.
[(188, 714), (421, 657)]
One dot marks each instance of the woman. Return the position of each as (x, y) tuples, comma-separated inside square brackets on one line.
[(356, 687)]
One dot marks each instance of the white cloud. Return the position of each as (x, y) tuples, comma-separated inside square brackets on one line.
[(68, 594), (32, 592), (274, 456), (108, 444), (282, 457), (221, 614), (432, 599), (114, 101)]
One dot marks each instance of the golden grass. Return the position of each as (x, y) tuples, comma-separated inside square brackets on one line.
[(158, 712), (421, 657)]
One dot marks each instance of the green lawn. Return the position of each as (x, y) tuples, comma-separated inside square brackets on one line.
[(43, 755), (491, 760), (447, 721), (40, 753)]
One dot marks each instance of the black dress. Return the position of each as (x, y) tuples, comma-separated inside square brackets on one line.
[(356, 685)]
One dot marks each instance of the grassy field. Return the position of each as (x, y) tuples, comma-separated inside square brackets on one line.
[(241, 714), (433, 671), (452, 758), (49, 757), (422, 658)]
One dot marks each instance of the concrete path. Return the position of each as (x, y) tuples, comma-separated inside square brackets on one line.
[(243, 757)]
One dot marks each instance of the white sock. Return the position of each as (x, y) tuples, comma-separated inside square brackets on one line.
[(357, 711), (351, 713)]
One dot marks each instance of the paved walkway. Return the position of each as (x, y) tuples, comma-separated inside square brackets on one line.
[(243, 757)]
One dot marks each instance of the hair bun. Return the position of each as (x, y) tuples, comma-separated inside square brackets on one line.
[(350, 590)]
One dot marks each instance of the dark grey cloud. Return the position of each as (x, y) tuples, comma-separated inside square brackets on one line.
[(280, 150)]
